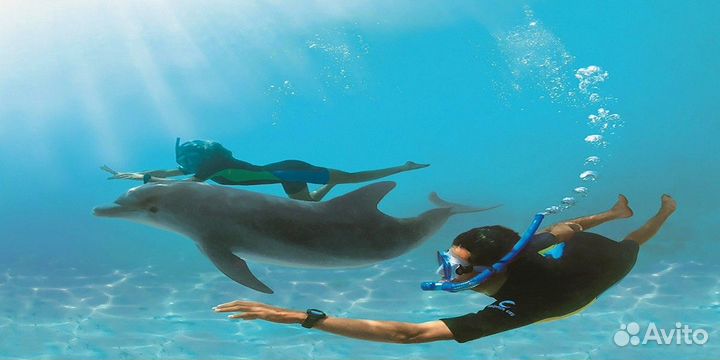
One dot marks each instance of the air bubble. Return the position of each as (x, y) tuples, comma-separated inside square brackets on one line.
[(581, 190), (588, 175), (592, 160), (552, 210), (569, 201), (594, 97), (590, 76), (341, 56), (585, 72), (593, 138)]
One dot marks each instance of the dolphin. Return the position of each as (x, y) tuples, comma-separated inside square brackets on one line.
[(347, 231)]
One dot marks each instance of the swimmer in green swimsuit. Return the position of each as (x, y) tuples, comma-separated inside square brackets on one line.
[(209, 160), (561, 272)]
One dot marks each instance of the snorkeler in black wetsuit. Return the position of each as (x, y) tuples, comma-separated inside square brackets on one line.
[(553, 279), (560, 273), (210, 160)]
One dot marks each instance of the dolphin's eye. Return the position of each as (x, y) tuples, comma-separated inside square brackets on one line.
[(153, 209)]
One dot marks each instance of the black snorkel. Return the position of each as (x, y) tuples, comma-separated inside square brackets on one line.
[(178, 158), (177, 148)]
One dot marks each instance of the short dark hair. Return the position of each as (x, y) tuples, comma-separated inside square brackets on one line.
[(487, 244)]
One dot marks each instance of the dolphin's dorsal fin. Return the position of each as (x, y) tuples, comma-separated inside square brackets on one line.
[(234, 267), (367, 196)]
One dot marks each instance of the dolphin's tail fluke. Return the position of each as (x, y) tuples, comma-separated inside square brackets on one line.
[(456, 208)]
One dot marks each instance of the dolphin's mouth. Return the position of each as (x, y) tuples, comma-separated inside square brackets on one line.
[(114, 210)]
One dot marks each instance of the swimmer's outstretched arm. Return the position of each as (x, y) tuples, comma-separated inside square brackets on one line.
[(154, 174), (372, 330)]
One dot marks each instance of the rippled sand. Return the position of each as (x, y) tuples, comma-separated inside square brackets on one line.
[(143, 313)]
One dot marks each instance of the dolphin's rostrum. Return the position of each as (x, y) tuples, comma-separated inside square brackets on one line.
[(348, 231)]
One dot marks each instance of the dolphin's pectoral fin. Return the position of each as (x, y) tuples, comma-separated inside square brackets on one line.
[(367, 196), (235, 268)]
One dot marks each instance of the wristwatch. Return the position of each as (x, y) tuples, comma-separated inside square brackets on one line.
[(313, 316)]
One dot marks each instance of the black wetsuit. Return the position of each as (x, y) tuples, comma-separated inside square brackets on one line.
[(552, 279)]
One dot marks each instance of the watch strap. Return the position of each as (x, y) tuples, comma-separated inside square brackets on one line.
[(313, 316)]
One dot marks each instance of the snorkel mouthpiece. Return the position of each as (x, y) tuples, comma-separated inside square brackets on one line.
[(437, 285), (429, 285), (488, 272)]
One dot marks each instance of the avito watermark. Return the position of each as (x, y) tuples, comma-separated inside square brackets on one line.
[(681, 334)]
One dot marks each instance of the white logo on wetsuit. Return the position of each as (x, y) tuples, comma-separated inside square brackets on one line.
[(504, 306)]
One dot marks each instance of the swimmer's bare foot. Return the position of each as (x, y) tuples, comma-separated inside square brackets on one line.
[(667, 205), (651, 227), (621, 209), (413, 166)]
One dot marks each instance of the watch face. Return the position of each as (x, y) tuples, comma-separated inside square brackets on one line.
[(315, 312)]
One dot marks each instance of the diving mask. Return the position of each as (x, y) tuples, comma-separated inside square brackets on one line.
[(451, 266)]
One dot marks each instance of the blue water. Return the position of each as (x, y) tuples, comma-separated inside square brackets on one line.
[(484, 91)]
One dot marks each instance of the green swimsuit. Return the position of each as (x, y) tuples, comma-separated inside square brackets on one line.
[(294, 175)]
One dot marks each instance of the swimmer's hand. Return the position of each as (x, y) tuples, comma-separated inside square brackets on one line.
[(248, 310), (122, 175), (565, 231), (574, 226)]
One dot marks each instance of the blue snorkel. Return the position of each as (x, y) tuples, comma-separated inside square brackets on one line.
[(495, 268)]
